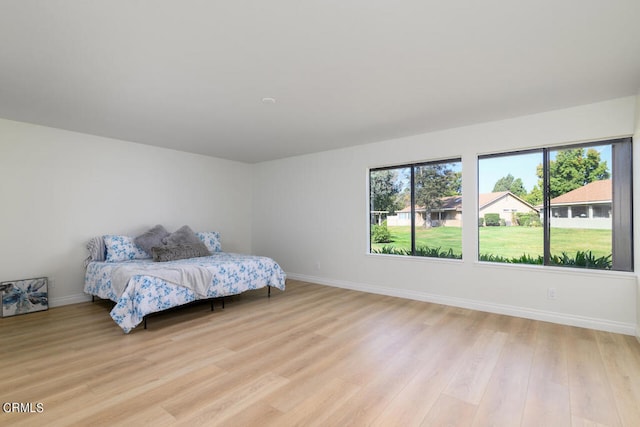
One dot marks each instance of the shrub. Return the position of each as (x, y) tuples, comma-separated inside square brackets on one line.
[(529, 219), (380, 233), (582, 259), (420, 251), (436, 252), (390, 250), (492, 219), (480, 222), (522, 259)]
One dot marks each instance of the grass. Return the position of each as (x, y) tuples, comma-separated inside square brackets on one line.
[(508, 242), (571, 240), (511, 242), (443, 237)]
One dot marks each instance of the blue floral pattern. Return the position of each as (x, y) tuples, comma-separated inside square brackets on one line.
[(122, 248), (211, 240), (232, 275)]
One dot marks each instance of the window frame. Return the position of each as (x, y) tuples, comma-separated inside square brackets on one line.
[(621, 209), (412, 168)]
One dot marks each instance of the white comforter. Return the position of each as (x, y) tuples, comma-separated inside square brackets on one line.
[(190, 276)]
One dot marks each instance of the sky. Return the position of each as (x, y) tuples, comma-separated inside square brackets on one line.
[(522, 166)]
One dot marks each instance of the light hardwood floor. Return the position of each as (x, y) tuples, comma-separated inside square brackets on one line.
[(315, 355)]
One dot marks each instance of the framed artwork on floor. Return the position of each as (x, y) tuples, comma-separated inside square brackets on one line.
[(24, 296)]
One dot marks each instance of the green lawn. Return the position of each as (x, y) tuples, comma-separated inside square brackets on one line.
[(443, 237), (507, 242), (515, 241)]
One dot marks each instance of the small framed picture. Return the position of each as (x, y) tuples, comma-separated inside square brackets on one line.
[(24, 296)]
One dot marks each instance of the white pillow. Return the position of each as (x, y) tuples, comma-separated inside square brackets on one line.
[(122, 248), (211, 240)]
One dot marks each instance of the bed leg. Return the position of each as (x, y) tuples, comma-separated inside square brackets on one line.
[(223, 302), (145, 322), (211, 305), (93, 298), (268, 291)]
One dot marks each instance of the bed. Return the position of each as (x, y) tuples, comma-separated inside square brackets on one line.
[(140, 286)]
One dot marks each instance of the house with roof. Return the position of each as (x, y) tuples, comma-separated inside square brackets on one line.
[(449, 214), (504, 203), (588, 206)]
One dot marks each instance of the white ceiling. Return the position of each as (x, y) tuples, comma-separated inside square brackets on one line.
[(191, 74)]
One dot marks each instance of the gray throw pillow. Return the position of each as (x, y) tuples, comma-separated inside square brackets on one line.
[(185, 236), (182, 236), (151, 238), (176, 252)]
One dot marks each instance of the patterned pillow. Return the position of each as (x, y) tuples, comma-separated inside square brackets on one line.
[(122, 248), (211, 240)]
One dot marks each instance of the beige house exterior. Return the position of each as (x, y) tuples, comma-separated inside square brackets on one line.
[(449, 214), (504, 203)]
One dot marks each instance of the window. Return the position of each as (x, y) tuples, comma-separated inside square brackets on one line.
[(417, 209), (560, 212), (601, 211), (569, 206), (579, 212)]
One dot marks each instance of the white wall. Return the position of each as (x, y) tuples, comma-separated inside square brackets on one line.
[(58, 189), (312, 218), (636, 209)]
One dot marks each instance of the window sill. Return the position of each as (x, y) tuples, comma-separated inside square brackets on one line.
[(573, 271)]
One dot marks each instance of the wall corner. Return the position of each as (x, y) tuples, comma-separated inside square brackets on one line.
[(636, 198)]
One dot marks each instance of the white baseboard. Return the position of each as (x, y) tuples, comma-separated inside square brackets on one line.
[(71, 299), (527, 313)]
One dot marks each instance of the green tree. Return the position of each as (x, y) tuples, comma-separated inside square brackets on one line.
[(432, 183), (573, 169), (456, 184), (385, 189), (509, 183), (534, 197)]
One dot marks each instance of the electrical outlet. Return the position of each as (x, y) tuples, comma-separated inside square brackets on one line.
[(551, 293), (317, 265)]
